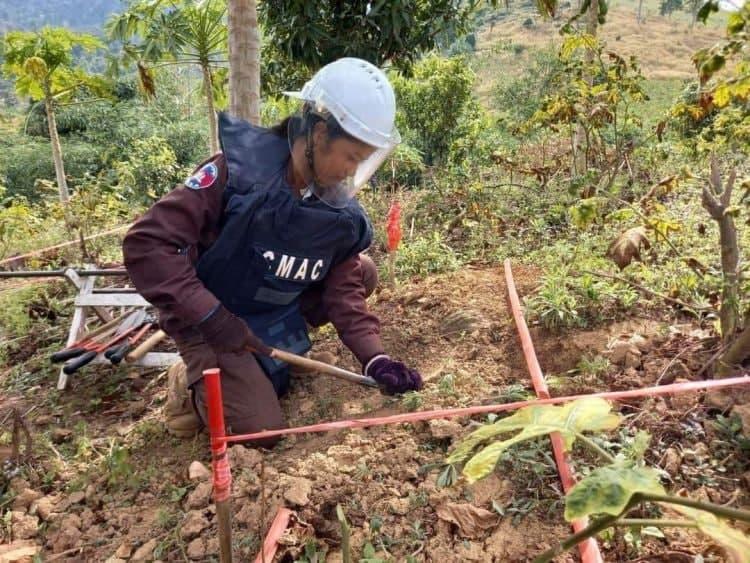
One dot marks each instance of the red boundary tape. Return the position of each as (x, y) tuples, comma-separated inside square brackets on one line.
[(485, 409), (588, 548), (271, 543)]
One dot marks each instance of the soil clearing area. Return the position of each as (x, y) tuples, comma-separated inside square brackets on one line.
[(106, 482)]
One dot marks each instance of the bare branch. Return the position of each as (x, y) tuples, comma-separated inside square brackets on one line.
[(726, 195)]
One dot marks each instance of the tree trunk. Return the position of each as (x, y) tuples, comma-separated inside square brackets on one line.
[(737, 353), (57, 157), (580, 144), (717, 200), (213, 142), (696, 6), (592, 19), (244, 60), (640, 6)]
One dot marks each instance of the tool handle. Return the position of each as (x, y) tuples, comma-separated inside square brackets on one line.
[(102, 329), (117, 354), (147, 345), (322, 367), (79, 362), (66, 354), (111, 350)]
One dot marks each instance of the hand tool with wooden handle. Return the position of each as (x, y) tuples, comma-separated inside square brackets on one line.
[(144, 347), (130, 325), (101, 329), (78, 348), (89, 340), (322, 367), (117, 353)]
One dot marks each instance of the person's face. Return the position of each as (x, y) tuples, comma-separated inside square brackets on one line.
[(337, 159)]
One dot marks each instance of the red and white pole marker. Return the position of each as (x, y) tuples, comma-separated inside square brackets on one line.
[(393, 229), (222, 474)]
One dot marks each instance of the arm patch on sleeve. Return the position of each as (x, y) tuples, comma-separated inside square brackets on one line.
[(204, 177)]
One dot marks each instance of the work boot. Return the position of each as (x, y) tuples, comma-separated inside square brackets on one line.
[(326, 357), (180, 418)]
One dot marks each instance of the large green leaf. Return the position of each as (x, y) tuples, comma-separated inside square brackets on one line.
[(484, 462), (735, 542), (571, 419), (607, 490)]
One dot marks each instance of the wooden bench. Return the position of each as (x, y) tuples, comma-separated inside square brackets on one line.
[(91, 299)]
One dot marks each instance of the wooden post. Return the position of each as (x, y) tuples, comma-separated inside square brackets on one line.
[(222, 475)]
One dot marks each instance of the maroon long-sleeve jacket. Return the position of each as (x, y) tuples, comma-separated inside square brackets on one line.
[(164, 273)]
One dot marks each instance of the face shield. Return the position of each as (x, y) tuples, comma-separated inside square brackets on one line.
[(336, 169)]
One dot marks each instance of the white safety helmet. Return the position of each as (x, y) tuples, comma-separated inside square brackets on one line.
[(358, 95)]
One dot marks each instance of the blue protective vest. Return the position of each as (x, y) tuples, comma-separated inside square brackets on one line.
[(272, 245)]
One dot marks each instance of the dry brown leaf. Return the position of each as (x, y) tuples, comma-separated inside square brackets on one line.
[(627, 247), (471, 521)]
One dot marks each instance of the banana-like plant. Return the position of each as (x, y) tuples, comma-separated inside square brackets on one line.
[(609, 492)]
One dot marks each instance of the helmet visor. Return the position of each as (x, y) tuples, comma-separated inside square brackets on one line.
[(340, 193), (336, 192)]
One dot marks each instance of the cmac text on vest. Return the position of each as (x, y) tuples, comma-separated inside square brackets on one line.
[(288, 267)]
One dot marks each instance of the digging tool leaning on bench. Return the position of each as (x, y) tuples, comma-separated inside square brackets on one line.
[(84, 281)]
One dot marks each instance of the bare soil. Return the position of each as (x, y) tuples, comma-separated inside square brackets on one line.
[(115, 486)]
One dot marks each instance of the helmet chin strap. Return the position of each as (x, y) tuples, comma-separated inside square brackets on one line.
[(309, 146)]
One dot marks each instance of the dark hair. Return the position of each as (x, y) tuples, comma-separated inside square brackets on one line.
[(300, 125)]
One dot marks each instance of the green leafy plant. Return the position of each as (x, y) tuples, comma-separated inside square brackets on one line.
[(718, 106), (592, 106), (425, 255), (182, 33), (17, 221), (608, 492), (312, 553), (431, 103), (43, 66), (150, 169)]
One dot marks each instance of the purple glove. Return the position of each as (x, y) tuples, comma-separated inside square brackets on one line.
[(394, 376)]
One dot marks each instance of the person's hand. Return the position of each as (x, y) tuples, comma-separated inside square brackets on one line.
[(225, 332), (393, 376)]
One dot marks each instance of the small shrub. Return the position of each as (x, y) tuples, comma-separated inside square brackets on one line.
[(18, 221), (28, 161), (425, 255), (150, 171), (431, 103), (554, 305), (404, 168), (188, 140)]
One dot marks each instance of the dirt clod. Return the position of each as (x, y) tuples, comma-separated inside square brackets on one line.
[(196, 549), (24, 500), (24, 526), (445, 428), (43, 507), (198, 472), (193, 525), (200, 496), (297, 491), (145, 552), (672, 460), (240, 456)]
